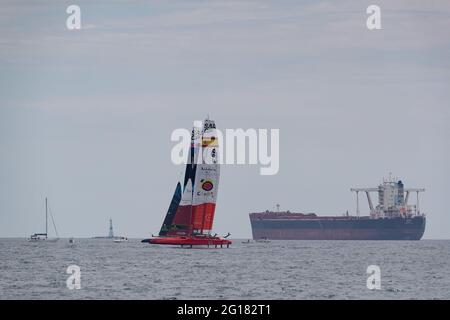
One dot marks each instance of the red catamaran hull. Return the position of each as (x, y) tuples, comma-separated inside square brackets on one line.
[(189, 241)]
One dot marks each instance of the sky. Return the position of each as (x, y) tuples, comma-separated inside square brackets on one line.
[(86, 115)]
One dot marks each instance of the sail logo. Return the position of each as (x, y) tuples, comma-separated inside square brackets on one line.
[(235, 146), (209, 142), (207, 185)]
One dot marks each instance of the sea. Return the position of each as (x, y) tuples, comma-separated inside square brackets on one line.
[(276, 270)]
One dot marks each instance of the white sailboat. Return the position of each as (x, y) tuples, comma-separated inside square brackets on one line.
[(44, 236)]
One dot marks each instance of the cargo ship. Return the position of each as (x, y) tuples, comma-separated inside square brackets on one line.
[(392, 219)]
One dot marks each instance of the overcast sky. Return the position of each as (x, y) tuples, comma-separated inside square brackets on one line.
[(86, 116)]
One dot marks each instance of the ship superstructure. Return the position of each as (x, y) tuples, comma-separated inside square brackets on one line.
[(393, 200)]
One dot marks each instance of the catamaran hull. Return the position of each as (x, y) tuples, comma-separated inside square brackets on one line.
[(189, 241)]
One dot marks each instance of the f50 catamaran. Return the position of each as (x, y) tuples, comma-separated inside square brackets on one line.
[(190, 217)]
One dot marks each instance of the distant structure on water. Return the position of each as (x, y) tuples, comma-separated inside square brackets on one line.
[(111, 232)]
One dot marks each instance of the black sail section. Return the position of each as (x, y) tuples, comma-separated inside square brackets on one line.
[(172, 210), (191, 166)]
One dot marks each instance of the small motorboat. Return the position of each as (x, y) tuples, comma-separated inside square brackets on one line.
[(71, 240), (247, 242), (263, 240), (121, 239)]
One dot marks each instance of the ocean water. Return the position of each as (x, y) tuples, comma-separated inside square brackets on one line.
[(276, 270)]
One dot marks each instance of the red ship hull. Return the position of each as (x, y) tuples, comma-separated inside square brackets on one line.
[(189, 241), (297, 226)]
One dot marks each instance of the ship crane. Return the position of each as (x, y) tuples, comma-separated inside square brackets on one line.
[(416, 190), (369, 200)]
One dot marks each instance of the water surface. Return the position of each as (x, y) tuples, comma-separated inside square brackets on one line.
[(276, 270)]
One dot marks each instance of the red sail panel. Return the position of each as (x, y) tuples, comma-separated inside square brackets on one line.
[(197, 217), (203, 216), (181, 224), (209, 216), (182, 216)]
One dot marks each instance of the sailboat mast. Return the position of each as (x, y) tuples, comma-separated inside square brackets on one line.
[(46, 217), (193, 170), (192, 159)]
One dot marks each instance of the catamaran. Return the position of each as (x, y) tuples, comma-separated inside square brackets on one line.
[(190, 216), (44, 236)]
